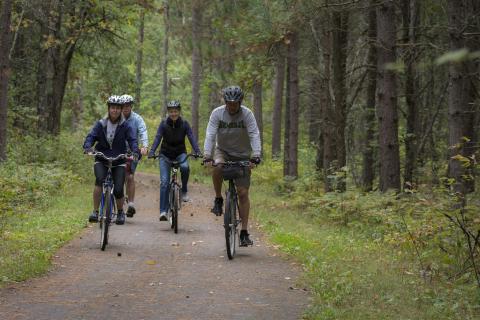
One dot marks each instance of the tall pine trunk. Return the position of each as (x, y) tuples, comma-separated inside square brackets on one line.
[(328, 112), (257, 106), (196, 63), (339, 62), (461, 100), (286, 132), (279, 83), (166, 22), (5, 43), (411, 20), (138, 75), (387, 113), (294, 92), (368, 173)]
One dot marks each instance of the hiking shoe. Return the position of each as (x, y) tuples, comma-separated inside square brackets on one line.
[(130, 211), (185, 197), (163, 216), (120, 217), (218, 207), (245, 239), (93, 217)]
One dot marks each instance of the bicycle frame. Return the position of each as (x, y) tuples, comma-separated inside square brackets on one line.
[(174, 203)]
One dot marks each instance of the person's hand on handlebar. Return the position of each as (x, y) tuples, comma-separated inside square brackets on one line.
[(255, 161), (207, 161), (90, 150)]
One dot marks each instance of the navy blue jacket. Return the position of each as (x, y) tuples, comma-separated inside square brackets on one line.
[(98, 137), (172, 135)]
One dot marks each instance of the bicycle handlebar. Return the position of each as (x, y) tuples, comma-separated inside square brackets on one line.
[(102, 155), (155, 156)]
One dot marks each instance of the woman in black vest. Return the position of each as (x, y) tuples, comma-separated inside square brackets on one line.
[(171, 133)]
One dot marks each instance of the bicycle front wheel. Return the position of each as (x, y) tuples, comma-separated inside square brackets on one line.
[(229, 222), (175, 209), (105, 218)]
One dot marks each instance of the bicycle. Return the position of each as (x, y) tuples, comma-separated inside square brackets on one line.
[(232, 170), (174, 190), (108, 206)]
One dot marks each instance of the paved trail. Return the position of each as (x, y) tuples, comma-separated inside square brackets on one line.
[(159, 274)]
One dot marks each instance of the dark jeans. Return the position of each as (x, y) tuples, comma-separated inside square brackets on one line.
[(118, 175)]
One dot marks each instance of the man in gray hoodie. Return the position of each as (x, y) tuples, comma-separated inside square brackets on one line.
[(232, 135)]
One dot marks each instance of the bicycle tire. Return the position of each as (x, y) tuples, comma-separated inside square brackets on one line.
[(171, 196), (229, 222), (106, 218), (176, 208)]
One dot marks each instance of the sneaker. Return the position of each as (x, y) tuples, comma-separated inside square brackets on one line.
[(218, 207), (120, 217), (163, 216), (245, 239), (185, 197), (130, 210), (93, 217)]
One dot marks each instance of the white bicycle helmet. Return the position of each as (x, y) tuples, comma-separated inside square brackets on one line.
[(114, 100), (126, 98)]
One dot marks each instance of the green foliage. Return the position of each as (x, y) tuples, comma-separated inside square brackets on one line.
[(42, 201)]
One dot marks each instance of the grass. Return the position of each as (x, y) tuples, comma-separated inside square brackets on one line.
[(353, 275), (29, 239)]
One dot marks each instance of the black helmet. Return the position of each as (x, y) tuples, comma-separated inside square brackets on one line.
[(174, 104), (233, 93)]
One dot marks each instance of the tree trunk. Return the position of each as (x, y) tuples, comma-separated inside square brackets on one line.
[(286, 132), (368, 173), (461, 100), (138, 75), (339, 62), (5, 43), (78, 105), (279, 83), (292, 61), (166, 21), (54, 67), (386, 98), (328, 115), (257, 106), (196, 63), (411, 20), (313, 117)]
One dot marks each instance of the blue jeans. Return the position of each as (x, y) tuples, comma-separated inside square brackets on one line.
[(165, 178)]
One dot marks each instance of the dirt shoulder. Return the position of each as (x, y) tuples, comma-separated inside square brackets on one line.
[(148, 272)]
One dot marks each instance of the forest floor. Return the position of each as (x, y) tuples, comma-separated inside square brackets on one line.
[(148, 272)]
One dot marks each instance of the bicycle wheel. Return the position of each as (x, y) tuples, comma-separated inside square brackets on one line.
[(176, 208), (229, 222), (171, 197), (105, 218)]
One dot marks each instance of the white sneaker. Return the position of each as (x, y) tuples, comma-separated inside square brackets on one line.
[(185, 197), (163, 216)]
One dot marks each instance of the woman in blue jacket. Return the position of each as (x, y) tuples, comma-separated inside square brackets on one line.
[(110, 136), (172, 133)]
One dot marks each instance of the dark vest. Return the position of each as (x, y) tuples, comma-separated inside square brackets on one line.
[(173, 140)]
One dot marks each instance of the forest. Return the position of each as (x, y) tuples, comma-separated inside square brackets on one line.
[(369, 113)]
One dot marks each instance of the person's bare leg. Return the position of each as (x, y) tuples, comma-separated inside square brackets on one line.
[(244, 206), (131, 187), (97, 194), (217, 181), (120, 203)]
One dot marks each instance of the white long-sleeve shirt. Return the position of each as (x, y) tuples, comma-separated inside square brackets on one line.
[(237, 135)]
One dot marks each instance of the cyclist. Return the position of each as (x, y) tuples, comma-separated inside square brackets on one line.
[(234, 128), (109, 136), (140, 130), (171, 133)]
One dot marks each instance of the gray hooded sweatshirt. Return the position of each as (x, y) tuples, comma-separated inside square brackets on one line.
[(236, 135)]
